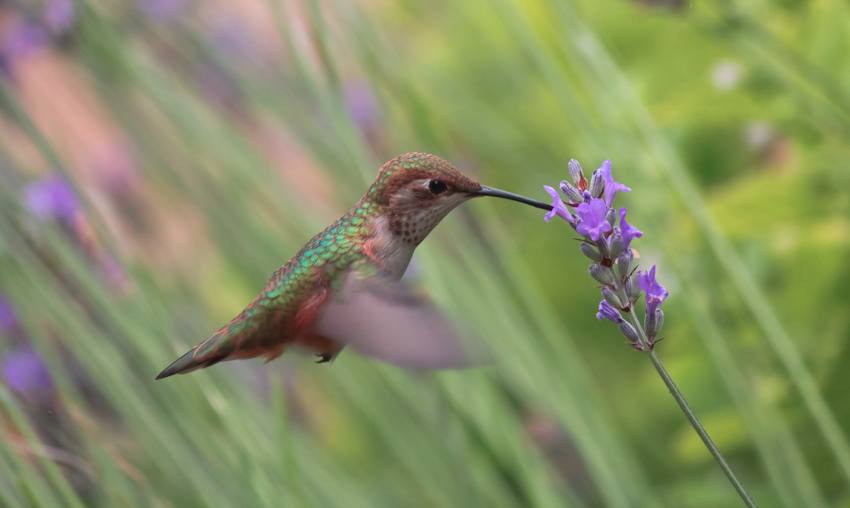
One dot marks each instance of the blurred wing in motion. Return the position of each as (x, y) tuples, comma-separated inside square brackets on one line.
[(385, 319)]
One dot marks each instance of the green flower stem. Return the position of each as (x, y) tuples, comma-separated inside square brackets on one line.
[(680, 399)]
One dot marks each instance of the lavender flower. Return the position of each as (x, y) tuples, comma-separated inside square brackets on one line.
[(25, 372), (629, 232), (607, 311), (611, 187), (655, 292), (52, 198), (593, 221), (595, 218), (558, 207)]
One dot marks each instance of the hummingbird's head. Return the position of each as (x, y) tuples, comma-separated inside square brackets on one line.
[(420, 189)]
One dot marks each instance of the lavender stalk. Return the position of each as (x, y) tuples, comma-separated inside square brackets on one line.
[(608, 244)]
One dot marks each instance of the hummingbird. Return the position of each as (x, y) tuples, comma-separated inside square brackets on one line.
[(344, 286)]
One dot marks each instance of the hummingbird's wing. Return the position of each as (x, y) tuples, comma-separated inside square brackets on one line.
[(387, 320)]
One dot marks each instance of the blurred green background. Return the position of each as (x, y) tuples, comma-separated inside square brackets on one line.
[(159, 159)]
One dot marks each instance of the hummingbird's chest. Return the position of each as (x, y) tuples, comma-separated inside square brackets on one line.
[(392, 251)]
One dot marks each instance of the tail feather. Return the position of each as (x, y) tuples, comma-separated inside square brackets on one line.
[(187, 363), (256, 331)]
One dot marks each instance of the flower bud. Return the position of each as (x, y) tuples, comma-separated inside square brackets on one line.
[(586, 197), (596, 184), (602, 274), (636, 292), (615, 244), (627, 287), (628, 330), (621, 294), (611, 297), (575, 171), (624, 262), (591, 253), (611, 217), (659, 322), (602, 245), (571, 192), (650, 324)]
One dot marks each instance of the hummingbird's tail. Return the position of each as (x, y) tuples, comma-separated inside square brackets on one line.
[(241, 338)]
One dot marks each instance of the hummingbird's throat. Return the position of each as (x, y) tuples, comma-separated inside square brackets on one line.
[(402, 227), (412, 223)]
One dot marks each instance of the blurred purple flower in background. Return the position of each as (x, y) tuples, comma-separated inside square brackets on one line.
[(233, 39), (219, 87), (59, 16), (25, 371), (23, 38), (52, 198), (162, 10), (112, 273), (8, 319), (362, 105)]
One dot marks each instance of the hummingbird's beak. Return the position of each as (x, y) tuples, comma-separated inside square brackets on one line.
[(490, 191)]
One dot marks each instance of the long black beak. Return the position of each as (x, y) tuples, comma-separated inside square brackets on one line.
[(490, 191)]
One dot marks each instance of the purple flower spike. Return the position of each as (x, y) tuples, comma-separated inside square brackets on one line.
[(655, 292), (24, 38), (611, 187), (59, 15), (8, 320), (628, 231), (52, 198), (593, 221), (363, 105), (558, 207), (25, 371), (607, 311)]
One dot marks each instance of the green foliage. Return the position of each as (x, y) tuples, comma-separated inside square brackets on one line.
[(729, 120)]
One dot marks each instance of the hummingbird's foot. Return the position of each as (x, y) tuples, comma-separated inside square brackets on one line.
[(325, 357)]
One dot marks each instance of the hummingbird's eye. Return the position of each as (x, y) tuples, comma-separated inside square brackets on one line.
[(437, 187)]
